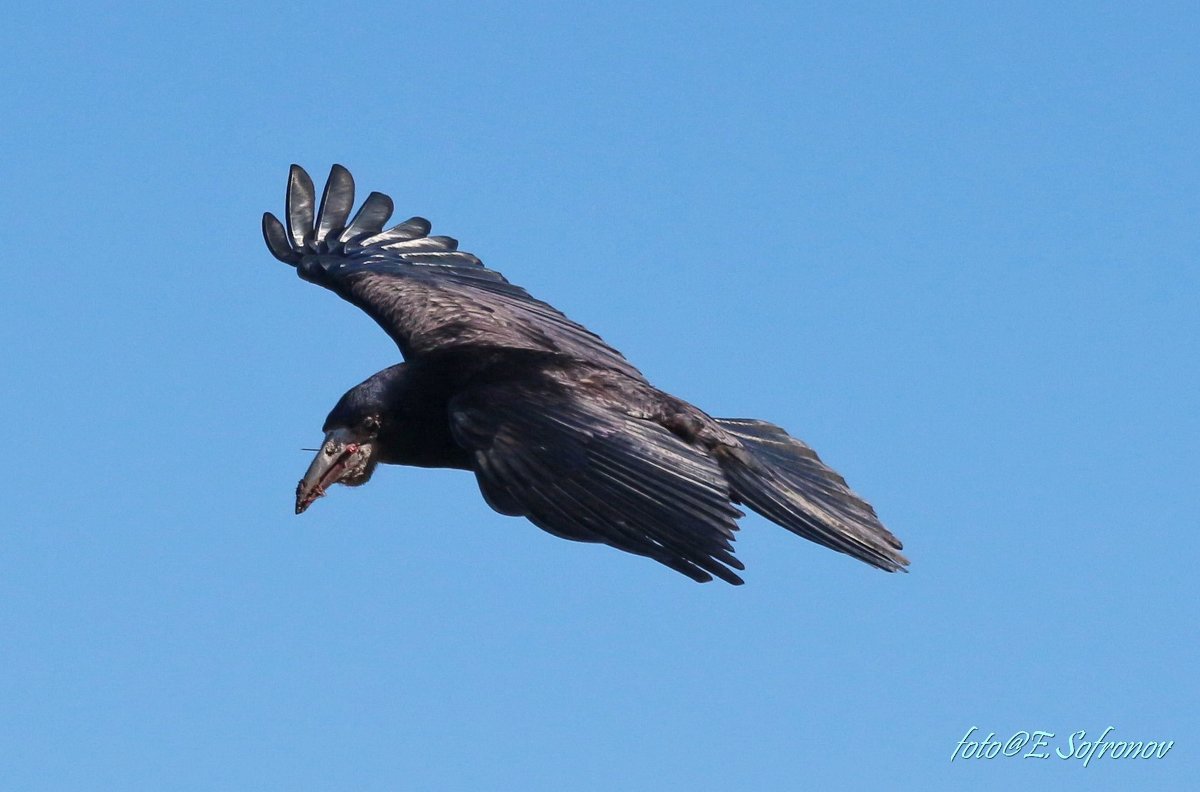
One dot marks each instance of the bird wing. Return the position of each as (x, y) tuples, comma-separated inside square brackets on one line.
[(426, 294), (583, 469)]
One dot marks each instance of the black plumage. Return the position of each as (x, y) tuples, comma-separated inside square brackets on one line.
[(557, 426)]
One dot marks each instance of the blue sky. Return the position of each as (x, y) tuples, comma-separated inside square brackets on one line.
[(953, 246)]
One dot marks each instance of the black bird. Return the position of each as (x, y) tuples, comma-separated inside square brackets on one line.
[(557, 426)]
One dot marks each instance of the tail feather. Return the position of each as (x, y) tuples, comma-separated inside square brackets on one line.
[(784, 480)]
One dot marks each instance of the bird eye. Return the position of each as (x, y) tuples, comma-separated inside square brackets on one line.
[(371, 423)]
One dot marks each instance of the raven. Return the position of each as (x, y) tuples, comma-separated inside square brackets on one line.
[(557, 426)]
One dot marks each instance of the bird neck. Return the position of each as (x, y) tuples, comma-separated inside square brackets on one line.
[(415, 430)]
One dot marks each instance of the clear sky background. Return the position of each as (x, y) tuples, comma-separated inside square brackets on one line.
[(953, 246)]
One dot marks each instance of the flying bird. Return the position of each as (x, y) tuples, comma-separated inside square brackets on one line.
[(556, 425)]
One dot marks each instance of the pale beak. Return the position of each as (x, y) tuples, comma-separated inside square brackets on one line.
[(338, 453)]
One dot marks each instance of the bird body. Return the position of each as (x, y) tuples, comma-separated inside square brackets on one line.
[(557, 426)]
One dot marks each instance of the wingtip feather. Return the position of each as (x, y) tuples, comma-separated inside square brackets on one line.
[(370, 217), (336, 202), (301, 195), (277, 240)]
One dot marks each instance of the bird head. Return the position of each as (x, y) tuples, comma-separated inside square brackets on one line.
[(394, 417), (351, 448)]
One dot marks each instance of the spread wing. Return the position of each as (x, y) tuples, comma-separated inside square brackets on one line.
[(425, 293), (583, 470)]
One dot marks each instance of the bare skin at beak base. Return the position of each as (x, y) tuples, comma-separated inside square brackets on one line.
[(340, 459)]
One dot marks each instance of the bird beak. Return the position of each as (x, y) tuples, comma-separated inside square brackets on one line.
[(338, 454)]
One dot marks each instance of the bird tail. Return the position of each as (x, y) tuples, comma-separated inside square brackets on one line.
[(785, 481)]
